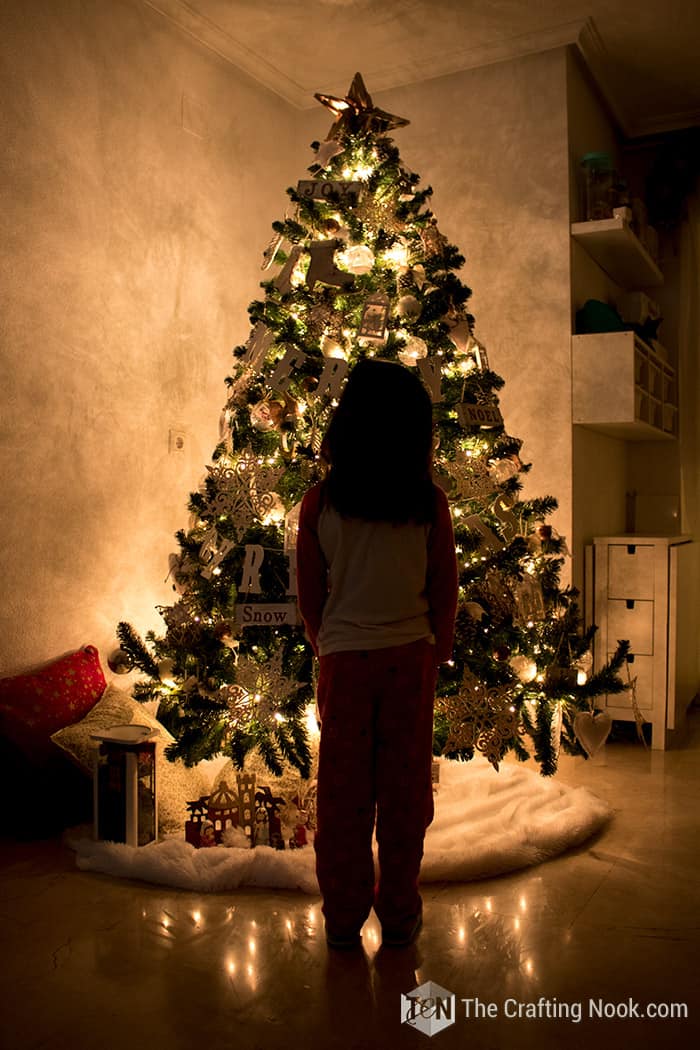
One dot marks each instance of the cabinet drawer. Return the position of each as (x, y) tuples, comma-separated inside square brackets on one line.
[(642, 669), (635, 623), (630, 571)]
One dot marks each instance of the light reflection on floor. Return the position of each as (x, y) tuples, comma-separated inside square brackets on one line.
[(95, 962)]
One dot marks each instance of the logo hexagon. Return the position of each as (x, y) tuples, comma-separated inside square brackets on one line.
[(429, 1008)]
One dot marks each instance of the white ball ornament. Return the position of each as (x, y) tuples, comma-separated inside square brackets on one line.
[(120, 662), (261, 416), (413, 351), (524, 668), (358, 259), (502, 470), (409, 308)]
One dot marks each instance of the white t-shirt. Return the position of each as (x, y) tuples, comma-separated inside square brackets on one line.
[(377, 583)]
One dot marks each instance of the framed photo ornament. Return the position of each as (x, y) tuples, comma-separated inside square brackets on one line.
[(375, 319)]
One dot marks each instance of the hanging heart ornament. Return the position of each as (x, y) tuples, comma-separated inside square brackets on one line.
[(592, 730)]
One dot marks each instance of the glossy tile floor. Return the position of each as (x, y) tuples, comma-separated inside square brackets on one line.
[(94, 963)]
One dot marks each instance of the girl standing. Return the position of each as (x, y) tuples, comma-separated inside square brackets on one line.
[(377, 583)]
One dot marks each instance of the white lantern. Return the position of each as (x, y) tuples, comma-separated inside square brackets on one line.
[(125, 802)]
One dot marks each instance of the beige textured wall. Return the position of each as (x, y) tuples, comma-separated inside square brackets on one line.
[(139, 176), (492, 143)]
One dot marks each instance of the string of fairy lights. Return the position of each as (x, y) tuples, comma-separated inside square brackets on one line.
[(362, 270)]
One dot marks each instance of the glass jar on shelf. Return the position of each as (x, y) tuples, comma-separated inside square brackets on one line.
[(600, 182)]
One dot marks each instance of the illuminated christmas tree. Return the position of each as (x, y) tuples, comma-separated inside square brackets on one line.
[(358, 267)]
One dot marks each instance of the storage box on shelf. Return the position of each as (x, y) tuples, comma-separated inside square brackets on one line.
[(643, 589), (622, 387)]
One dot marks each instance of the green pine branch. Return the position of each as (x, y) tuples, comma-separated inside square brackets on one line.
[(134, 647)]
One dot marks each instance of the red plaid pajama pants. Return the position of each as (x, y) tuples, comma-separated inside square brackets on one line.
[(376, 709)]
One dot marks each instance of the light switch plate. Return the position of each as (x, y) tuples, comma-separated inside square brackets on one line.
[(176, 439)]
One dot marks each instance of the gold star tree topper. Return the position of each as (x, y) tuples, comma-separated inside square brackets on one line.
[(356, 112)]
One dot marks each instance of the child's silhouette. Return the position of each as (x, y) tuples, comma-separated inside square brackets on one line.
[(377, 581)]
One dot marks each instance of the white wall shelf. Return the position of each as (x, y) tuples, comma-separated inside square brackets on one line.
[(613, 245), (622, 388)]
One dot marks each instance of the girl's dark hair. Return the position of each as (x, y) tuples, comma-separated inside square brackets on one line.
[(379, 446)]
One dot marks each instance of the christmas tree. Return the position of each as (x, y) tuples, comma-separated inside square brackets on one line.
[(359, 267)]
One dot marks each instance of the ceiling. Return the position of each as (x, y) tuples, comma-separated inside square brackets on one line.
[(643, 53)]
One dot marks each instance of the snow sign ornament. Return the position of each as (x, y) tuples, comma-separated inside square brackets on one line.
[(260, 614)]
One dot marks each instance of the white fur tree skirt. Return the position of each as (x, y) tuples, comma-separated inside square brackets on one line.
[(486, 823)]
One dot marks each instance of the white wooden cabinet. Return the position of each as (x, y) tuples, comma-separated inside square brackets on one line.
[(644, 589)]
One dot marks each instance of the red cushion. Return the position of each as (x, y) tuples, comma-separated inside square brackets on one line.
[(33, 706)]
